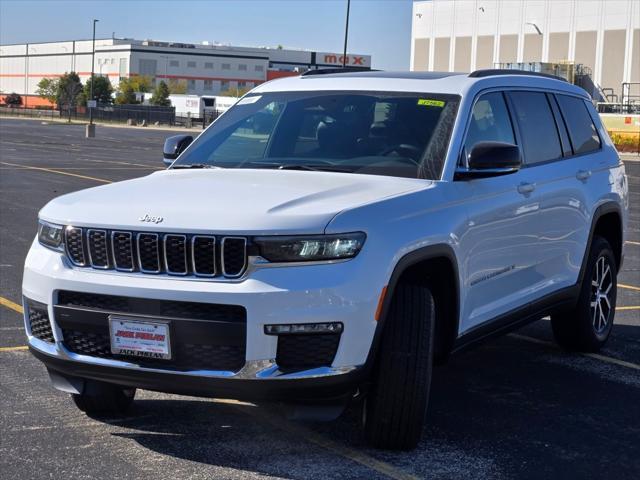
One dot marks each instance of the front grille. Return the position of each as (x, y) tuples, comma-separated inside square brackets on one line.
[(75, 246), (186, 356), (300, 352), (156, 253), (39, 321), (122, 249), (233, 256), (97, 247), (149, 252)]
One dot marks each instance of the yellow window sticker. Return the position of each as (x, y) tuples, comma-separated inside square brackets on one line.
[(427, 102)]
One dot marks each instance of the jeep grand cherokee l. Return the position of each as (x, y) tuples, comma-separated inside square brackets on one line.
[(329, 238)]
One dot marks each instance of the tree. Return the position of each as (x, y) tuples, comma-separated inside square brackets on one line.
[(126, 95), (138, 83), (161, 95), (102, 90), (48, 89), (13, 100), (177, 87), (69, 88)]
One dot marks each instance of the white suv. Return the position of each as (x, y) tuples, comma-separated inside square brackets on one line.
[(329, 238)]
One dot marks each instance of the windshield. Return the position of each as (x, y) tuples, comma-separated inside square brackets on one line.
[(395, 134)]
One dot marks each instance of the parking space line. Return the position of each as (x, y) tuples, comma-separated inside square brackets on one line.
[(5, 302), (14, 349), (90, 168), (632, 243), (629, 287), (630, 307), (346, 452), (597, 356), (29, 167)]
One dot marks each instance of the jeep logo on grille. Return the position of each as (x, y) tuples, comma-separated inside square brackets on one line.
[(149, 219)]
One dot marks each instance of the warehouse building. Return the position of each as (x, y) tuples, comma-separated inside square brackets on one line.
[(597, 38), (206, 68)]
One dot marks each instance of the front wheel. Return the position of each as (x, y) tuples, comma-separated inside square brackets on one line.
[(395, 409), (587, 326)]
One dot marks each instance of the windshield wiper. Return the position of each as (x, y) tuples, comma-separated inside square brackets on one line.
[(300, 166), (194, 165), (316, 168)]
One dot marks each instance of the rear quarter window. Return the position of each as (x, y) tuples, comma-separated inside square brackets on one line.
[(582, 132)]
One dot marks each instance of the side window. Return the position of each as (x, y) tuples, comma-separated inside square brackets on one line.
[(582, 131), (490, 122), (540, 141)]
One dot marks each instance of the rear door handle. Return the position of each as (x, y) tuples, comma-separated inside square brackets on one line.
[(583, 175), (526, 188)]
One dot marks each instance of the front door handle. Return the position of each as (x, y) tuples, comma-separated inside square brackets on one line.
[(526, 188), (583, 175)]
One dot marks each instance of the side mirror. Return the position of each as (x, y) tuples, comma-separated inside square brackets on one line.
[(174, 146), (491, 159)]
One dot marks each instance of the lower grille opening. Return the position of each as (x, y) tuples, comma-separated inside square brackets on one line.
[(203, 336), (39, 321), (186, 356), (302, 352)]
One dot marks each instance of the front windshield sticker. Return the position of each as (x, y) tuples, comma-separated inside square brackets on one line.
[(427, 102), (248, 100)]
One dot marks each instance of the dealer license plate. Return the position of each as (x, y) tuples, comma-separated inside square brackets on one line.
[(137, 338)]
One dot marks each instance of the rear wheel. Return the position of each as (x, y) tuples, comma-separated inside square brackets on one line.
[(395, 409), (587, 326), (107, 400)]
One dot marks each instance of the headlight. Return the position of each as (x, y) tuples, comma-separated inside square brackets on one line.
[(310, 248), (50, 235)]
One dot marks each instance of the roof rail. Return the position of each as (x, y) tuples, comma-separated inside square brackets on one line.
[(329, 71), (490, 72)]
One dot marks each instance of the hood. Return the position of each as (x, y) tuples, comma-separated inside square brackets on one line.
[(244, 201)]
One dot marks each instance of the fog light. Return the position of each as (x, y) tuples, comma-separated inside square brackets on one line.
[(303, 328)]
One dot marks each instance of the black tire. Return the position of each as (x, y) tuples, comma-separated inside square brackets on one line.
[(395, 409), (109, 400), (587, 326)]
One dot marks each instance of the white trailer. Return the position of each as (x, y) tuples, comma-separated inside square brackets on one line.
[(188, 105), (196, 106)]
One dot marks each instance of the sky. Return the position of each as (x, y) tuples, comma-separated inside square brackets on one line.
[(380, 28)]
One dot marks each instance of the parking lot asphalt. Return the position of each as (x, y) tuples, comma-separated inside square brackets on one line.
[(516, 407)]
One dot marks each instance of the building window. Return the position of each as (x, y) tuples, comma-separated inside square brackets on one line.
[(147, 67), (224, 85), (242, 84), (226, 66), (174, 63), (208, 85), (242, 67), (259, 68), (191, 64), (191, 85), (208, 65)]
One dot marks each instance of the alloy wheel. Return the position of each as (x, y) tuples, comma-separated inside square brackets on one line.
[(600, 307)]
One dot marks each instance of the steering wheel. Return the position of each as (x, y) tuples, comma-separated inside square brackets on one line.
[(406, 151)]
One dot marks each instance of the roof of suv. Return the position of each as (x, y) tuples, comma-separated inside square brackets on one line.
[(432, 82)]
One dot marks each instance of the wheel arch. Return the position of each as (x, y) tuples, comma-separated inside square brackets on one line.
[(607, 223), (418, 266)]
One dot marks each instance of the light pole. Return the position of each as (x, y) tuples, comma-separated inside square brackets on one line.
[(346, 36), (91, 129)]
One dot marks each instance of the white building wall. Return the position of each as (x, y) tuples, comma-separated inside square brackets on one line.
[(207, 69), (568, 21)]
